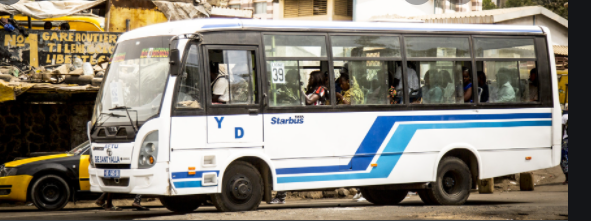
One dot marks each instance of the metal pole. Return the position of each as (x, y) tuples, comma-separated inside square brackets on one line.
[(29, 20), (127, 25)]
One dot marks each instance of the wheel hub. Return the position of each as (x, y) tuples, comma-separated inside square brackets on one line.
[(50, 192), (241, 188), (449, 182)]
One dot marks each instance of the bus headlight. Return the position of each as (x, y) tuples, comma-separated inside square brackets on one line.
[(148, 151)]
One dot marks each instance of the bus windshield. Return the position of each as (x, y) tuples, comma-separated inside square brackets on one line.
[(135, 82)]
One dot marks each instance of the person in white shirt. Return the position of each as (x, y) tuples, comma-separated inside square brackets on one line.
[(413, 78), (219, 84), (505, 93)]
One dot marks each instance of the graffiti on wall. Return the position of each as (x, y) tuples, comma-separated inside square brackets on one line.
[(42, 48)]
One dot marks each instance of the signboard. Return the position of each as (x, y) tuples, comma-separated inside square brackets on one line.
[(42, 48)]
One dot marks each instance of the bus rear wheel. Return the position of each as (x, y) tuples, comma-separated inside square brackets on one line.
[(453, 183), (242, 188), (383, 197), (182, 204)]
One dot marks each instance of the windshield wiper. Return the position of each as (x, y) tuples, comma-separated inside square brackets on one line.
[(117, 107), (108, 114)]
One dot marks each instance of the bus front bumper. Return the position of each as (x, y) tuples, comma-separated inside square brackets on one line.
[(153, 181), (14, 188)]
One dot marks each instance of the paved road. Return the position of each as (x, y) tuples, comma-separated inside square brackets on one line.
[(548, 201)]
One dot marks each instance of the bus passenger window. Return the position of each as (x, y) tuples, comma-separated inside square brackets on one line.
[(233, 76), (507, 79), (299, 81), (189, 94), (445, 78), (367, 82), (365, 69)]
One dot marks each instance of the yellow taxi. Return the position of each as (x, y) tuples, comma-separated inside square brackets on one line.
[(50, 182)]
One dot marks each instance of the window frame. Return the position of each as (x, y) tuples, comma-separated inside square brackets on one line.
[(542, 63), (394, 59), (537, 51), (429, 59), (264, 78), (180, 112), (212, 107), (254, 4)]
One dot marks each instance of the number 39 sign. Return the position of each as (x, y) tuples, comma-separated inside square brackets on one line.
[(278, 73)]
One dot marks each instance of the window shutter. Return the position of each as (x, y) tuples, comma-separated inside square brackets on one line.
[(302, 8), (343, 7), (320, 7)]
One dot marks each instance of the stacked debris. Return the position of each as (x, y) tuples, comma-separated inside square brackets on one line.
[(68, 78)]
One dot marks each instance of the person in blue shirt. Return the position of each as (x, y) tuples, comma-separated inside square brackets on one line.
[(468, 90)]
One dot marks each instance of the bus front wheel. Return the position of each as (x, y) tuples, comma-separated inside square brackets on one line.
[(453, 183), (182, 204), (242, 188), (383, 197)]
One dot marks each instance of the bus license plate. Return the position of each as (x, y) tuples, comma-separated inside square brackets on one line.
[(112, 173)]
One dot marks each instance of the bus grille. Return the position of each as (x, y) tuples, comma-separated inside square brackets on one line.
[(116, 182), (113, 166)]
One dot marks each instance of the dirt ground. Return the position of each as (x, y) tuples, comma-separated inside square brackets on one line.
[(549, 200)]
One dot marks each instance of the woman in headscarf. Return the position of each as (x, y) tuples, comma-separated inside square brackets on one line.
[(351, 92)]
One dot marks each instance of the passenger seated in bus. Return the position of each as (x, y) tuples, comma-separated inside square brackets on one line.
[(287, 94), (505, 91), (316, 91), (449, 90), (351, 93), (413, 79), (219, 83), (533, 85), (432, 91), (468, 91), (483, 84)]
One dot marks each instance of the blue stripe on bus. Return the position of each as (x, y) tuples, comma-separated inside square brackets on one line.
[(398, 143), (198, 174), (379, 131), (187, 184), (237, 25)]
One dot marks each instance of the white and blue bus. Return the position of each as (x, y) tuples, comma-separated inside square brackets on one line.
[(231, 110)]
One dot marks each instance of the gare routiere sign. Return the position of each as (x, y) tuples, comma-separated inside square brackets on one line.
[(43, 48)]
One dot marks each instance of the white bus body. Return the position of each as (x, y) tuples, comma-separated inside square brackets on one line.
[(321, 147)]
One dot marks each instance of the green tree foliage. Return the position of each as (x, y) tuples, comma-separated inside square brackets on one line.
[(557, 6), (488, 5)]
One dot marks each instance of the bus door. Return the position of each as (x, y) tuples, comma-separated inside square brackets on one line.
[(233, 108)]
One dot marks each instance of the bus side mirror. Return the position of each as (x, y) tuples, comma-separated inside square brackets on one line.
[(175, 61)]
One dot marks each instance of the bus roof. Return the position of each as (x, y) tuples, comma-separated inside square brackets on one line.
[(203, 25)]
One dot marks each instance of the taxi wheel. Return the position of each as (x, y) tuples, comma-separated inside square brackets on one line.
[(242, 188), (50, 192)]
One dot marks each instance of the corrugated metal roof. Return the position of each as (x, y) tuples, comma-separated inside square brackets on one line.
[(491, 16), (560, 50)]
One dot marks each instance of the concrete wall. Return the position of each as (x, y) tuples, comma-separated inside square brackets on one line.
[(365, 10), (27, 127), (559, 33)]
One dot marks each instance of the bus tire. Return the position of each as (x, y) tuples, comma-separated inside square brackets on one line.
[(453, 183), (242, 189), (383, 197), (50, 193), (424, 195), (182, 204)]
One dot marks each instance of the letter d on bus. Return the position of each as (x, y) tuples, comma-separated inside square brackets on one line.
[(239, 132)]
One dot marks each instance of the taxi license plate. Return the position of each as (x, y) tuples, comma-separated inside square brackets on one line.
[(112, 174)]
